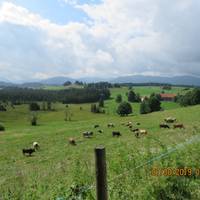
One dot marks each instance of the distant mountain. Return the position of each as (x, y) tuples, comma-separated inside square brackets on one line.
[(6, 84), (176, 80), (56, 80), (92, 79)]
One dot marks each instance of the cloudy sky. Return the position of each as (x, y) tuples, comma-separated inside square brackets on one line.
[(101, 38)]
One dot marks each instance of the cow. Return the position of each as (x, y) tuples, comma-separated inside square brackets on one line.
[(179, 126), (135, 130), (88, 134), (164, 126), (36, 146), (100, 131), (110, 125), (142, 132), (116, 133), (170, 120), (28, 151), (137, 123), (72, 141), (96, 126), (130, 126)]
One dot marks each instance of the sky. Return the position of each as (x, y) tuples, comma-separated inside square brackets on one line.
[(98, 38)]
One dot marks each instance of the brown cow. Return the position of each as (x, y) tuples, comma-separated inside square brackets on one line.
[(179, 126)]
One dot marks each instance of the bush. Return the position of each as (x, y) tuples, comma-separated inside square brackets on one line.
[(2, 108), (118, 98), (144, 107), (2, 128), (34, 120), (34, 107), (124, 109), (190, 98)]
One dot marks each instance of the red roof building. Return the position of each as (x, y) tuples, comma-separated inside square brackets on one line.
[(167, 97)]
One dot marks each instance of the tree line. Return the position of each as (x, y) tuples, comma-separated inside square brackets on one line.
[(27, 95)]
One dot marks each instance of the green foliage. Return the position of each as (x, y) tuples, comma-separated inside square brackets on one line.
[(34, 119), (154, 104), (150, 105), (133, 97), (2, 128), (144, 107), (118, 98), (124, 109), (34, 106), (67, 83), (72, 95), (2, 108), (167, 87), (190, 98)]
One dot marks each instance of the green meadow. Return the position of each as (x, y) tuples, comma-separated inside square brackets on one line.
[(51, 172)]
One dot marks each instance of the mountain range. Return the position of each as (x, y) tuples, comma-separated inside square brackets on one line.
[(175, 80)]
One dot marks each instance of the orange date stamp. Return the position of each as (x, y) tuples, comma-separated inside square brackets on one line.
[(185, 171)]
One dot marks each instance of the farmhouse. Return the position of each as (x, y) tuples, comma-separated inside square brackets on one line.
[(167, 97)]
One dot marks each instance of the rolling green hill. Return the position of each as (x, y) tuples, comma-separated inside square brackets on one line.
[(57, 166)]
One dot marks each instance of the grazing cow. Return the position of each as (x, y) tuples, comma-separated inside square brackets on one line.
[(179, 126), (100, 131), (170, 120), (72, 141), (142, 132), (135, 130), (137, 134), (110, 125), (164, 126), (28, 151), (36, 146), (130, 126), (96, 126), (88, 134), (116, 133)]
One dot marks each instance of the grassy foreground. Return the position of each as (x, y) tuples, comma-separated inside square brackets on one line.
[(57, 166)]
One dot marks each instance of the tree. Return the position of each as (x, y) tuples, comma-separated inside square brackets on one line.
[(154, 104), (2, 128), (67, 83), (34, 107), (34, 119), (118, 98), (2, 107), (144, 107), (131, 96), (124, 109), (49, 105)]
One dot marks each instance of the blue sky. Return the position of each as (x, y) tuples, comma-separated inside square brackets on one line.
[(107, 38), (55, 10)]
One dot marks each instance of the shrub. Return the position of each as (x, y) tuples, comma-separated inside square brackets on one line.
[(2, 108), (118, 98), (34, 107), (2, 128), (124, 109), (34, 120)]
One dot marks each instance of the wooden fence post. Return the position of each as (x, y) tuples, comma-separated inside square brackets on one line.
[(101, 181)]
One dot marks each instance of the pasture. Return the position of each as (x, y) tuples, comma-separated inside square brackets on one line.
[(58, 166)]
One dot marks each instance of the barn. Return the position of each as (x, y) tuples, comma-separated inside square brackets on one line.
[(167, 97)]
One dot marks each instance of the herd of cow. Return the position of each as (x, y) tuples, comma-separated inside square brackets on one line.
[(132, 127)]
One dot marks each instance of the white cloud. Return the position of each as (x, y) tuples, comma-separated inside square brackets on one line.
[(121, 37)]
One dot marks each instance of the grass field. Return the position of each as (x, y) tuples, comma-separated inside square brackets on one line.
[(57, 166)]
